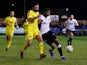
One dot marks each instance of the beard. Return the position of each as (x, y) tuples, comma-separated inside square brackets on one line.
[(35, 10)]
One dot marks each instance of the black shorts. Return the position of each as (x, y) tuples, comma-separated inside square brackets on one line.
[(49, 37), (69, 31)]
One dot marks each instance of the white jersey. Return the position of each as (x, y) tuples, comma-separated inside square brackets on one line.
[(45, 25), (70, 24)]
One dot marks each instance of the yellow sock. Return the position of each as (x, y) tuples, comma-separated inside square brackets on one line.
[(41, 47), (9, 43), (25, 47)]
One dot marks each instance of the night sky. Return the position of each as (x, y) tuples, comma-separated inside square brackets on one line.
[(76, 7)]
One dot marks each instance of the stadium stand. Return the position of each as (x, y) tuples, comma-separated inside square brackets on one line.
[(80, 30)]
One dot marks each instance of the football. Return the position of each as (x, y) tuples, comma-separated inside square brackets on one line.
[(69, 48), (64, 31)]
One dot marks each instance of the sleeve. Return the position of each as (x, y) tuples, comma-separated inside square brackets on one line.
[(6, 20), (50, 20), (29, 14), (41, 17)]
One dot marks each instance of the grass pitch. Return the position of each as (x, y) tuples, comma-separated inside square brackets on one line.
[(11, 57)]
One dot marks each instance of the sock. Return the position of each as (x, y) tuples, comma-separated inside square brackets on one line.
[(60, 50), (41, 47), (52, 48), (9, 43), (25, 47), (70, 41)]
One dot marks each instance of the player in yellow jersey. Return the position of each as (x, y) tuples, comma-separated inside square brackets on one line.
[(10, 22), (33, 31)]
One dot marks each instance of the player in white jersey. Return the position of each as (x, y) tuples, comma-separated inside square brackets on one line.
[(48, 36), (70, 27)]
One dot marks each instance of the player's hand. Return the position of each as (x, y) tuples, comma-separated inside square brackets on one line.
[(17, 27), (7, 24), (40, 20)]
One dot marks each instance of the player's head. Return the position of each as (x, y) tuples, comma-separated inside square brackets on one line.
[(47, 12), (12, 13), (36, 7), (71, 16)]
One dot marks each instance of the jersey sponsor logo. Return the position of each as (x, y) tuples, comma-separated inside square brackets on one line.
[(44, 23), (10, 22)]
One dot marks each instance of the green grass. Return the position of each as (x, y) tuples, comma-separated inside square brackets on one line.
[(11, 57)]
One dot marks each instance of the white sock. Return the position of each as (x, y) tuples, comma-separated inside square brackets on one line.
[(59, 46)]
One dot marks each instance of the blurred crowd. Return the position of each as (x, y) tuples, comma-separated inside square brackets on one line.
[(80, 30)]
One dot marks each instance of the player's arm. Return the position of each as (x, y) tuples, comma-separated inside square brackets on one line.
[(6, 21), (23, 25), (76, 23), (30, 18), (16, 24), (40, 21), (65, 24)]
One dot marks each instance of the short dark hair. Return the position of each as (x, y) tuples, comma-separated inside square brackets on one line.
[(47, 9), (35, 4)]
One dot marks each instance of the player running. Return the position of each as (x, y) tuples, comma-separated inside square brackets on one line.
[(48, 36), (10, 22), (33, 31), (70, 27)]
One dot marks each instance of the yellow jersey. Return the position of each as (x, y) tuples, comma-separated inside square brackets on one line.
[(25, 26), (34, 25), (11, 22)]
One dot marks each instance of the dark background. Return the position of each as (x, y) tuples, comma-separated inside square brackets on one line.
[(76, 7)]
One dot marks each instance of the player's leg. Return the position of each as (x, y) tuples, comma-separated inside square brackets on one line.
[(59, 47), (48, 41), (9, 36), (25, 47), (29, 38), (9, 41), (52, 38), (51, 50), (40, 40), (28, 43), (70, 35)]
